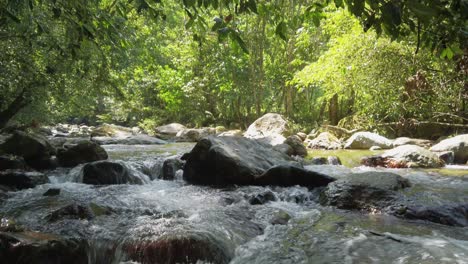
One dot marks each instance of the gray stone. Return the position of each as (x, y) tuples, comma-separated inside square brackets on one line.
[(365, 140), (83, 152), (17, 179), (194, 134), (298, 149), (169, 131), (325, 141), (412, 141), (270, 128), (457, 144), (242, 161)]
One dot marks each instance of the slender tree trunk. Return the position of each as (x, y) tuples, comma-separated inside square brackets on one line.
[(19, 103), (333, 110)]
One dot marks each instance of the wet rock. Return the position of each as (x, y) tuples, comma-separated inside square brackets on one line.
[(262, 197), (169, 131), (447, 156), (280, 217), (106, 172), (178, 248), (295, 142), (52, 192), (406, 156), (129, 140), (194, 134), (365, 140), (318, 161), (285, 149), (170, 167), (457, 144), (230, 160), (364, 191), (450, 214), (34, 148), (325, 140), (40, 248), (270, 128), (83, 152), (12, 162), (330, 160), (412, 141), (289, 175), (19, 180), (71, 211), (9, 225)]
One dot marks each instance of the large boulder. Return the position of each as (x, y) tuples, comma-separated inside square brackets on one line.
[(288, 175), (406, 156), (12, 162), (457, 144), (270, 128), (366, 140), (83, 152), (194, 134), (448, 214), (243, 161), (186, 247), (325, 140), (425, 143), (33, 247), (106, 172), (364, 191), (34, 148), (18, 180), (169, 131)]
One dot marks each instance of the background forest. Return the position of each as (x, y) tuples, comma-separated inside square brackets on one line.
[(358, 64)]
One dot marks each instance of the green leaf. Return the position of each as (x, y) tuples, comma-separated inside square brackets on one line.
[(281, 31), (12, 16), (339, 3), (421, 11), (356, 7), (189, 23), (189, 3), (235, 36), (252, 6)]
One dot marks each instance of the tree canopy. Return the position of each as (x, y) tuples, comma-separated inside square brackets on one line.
[(226, 62)]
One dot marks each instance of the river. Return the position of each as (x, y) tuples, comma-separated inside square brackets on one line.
[(129, 215)]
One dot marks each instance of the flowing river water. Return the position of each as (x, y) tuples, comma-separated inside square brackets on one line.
[(132, 214)]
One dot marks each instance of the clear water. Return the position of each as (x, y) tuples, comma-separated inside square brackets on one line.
[(126, 214)]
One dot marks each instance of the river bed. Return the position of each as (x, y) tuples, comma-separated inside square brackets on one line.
[(126, 215)]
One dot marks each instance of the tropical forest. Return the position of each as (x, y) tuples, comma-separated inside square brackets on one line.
[(233, 131)]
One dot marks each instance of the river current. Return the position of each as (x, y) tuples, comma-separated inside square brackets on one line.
[(293, 228)]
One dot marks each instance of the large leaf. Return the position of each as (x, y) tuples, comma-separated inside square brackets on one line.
[(281, 30), (423, 12), (339, 3), (356, 7), (235, 36)]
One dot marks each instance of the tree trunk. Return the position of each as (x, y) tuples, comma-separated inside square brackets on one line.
[(333, 110), (12, 109)]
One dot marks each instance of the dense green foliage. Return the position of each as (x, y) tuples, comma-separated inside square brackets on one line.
[(226, 63)]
